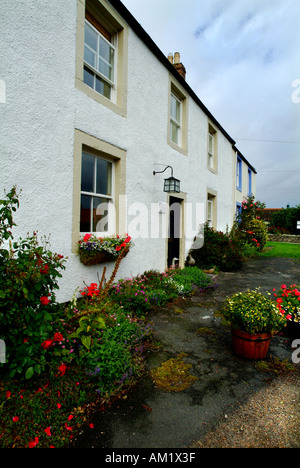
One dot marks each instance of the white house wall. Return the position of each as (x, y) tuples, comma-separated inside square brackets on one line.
[(38, 121)]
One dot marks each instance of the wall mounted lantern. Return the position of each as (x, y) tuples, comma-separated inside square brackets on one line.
[(171, 184)]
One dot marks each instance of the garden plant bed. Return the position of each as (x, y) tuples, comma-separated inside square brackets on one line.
[(229, 391)]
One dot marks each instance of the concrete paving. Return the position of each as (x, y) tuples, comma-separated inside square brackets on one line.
[(152, 418)]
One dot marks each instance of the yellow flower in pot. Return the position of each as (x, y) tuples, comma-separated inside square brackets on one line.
[(253, 318)]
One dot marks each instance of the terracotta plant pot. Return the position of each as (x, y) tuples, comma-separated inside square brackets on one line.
[(249, 346)]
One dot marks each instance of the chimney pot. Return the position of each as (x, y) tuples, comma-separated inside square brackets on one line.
[(170, 57), (177, 57)]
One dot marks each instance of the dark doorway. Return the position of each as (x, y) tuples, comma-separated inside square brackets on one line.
[(174, 231)]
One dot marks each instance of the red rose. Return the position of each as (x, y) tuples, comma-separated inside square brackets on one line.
[(47, 344), (62, 369), (45, 300), (58, 337)]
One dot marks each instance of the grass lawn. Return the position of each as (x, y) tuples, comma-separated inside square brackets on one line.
[(281, 249)]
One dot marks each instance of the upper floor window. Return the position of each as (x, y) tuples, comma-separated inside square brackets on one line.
[(175, 119), (102, 54), (239, 173), (212, 149), (99, 60), (249, 182)]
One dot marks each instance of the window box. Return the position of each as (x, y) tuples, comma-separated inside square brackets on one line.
[(93, 250)]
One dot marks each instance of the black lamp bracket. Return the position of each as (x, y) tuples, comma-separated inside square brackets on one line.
[(160, 172)]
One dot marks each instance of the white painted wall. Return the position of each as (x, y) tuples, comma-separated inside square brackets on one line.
[(39, 118)]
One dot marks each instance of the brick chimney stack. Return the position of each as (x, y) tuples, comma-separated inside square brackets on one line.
[(177, 64)]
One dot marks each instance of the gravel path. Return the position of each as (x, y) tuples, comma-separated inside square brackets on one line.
[(269, 419)]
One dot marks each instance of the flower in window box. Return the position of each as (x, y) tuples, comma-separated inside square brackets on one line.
[(93, 249)]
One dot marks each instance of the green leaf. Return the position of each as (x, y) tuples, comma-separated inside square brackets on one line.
[(29, 373), (86, 341)]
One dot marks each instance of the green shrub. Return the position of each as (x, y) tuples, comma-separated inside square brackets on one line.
[(28, 277), (219, 250), (110, 350), (286, 219), (142, 292), (257, 233), (191, 280)]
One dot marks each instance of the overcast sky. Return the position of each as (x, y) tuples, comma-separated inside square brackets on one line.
[(243, 61)]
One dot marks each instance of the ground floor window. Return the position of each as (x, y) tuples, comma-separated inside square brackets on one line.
[(96, 194)]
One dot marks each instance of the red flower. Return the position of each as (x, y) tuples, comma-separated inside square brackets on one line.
[(34, 443), (62, 369), (48, 431), (45, 300), (44, 270), (15, 418), (118, 248), (87, 237), (8, 394), (47, 344), (58, 337)]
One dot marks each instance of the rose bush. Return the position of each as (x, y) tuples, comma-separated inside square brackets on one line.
[(29, 275)]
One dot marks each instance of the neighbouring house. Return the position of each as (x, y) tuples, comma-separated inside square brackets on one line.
[(245, 183), (95, 115)]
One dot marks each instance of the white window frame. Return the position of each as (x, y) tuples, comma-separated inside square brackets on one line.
[(238, 173), (210, 214), (174, 122), (109, 198), (113, 46), (211, 144)]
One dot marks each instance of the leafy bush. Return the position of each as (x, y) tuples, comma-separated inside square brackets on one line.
[(142, 292), (251, 209), (191, 280), (256, 233), (219, 250), (286, 218), (28, 277), (110, 344), (152, 289)]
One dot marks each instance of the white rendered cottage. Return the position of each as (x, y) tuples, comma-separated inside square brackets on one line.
[(90, 109)]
